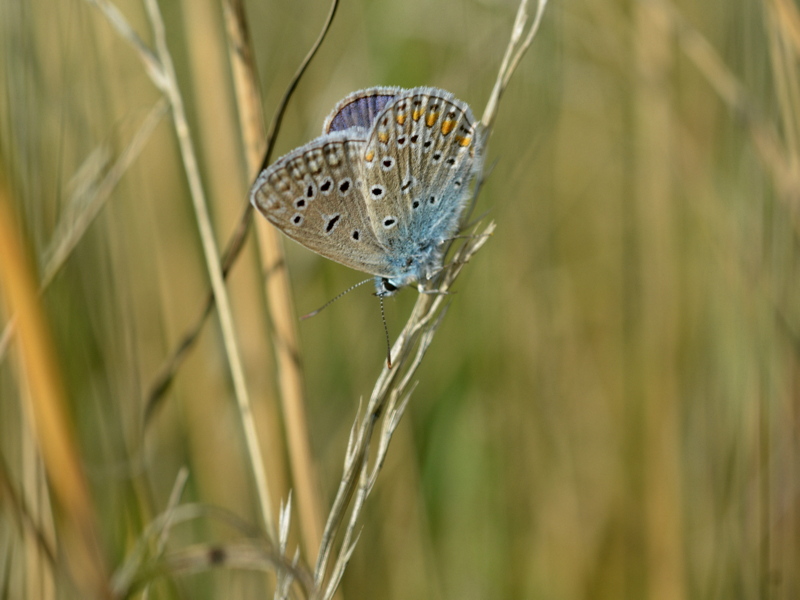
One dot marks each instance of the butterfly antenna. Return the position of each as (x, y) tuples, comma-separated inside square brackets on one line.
[(386, 331), (314, 313)]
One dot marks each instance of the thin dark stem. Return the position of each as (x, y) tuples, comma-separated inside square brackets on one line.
[(163, 379), (278, 118)]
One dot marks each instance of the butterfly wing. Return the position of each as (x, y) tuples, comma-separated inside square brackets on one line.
[(419, 157), (359, 109), (313, 194)]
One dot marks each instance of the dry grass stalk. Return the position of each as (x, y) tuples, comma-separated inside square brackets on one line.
[(160, 68), (278, 291), (85, 204), (277, 286), (388, 400), (778, 156), (393, 388), (78, 531), (735, 189), (390, 394)]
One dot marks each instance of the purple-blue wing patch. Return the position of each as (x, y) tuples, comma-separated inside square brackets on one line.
[(359, 109)]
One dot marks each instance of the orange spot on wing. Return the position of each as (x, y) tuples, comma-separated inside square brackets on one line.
[(383, 137), (369, 156), (463, 141), (448, 126), (417, 114), (401, 119), (431, 119)]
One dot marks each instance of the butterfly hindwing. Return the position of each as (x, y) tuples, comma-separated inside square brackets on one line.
[(312, 194)]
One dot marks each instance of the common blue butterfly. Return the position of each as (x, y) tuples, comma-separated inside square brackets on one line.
[(383, 188)]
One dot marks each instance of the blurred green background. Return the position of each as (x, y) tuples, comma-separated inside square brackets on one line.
[(610, 409)]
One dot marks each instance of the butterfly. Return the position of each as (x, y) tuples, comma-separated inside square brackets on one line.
[(383, 188)]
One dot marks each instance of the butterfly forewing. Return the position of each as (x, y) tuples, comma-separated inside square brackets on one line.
[(313, 195), (418, 160)]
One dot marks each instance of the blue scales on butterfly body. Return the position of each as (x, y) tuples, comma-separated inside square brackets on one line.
[(383, 188)]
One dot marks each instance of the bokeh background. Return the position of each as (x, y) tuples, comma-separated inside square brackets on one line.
[(610, 408)]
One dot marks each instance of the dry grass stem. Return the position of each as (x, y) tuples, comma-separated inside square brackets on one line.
[(613, 415), (26, 520), (89, 200), (392, 384), (284, 578), (418, 332), (140, 559), (85, 204), (174, 501), (278, 290), (162, 73), (612, 408), (774, 155), (47, 413), (199, 558), (517, 46)]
